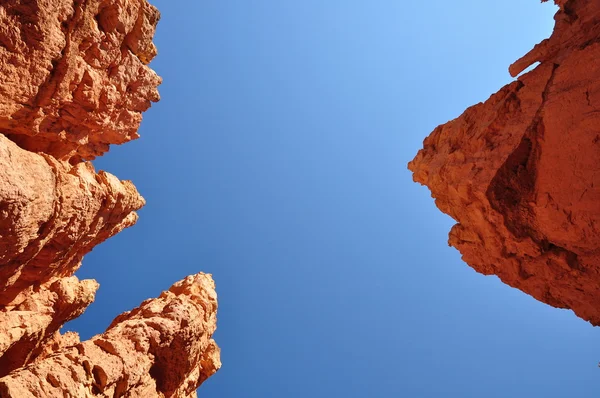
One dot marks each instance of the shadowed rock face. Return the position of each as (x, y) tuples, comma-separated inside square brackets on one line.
[(520, 173), (73, 80)]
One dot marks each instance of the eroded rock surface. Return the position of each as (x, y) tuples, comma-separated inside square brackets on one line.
[(73, 80), (74, 75), (163, 348), (520, 173), (52, 213)]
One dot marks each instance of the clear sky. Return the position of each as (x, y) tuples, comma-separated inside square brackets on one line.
[(276, 161)]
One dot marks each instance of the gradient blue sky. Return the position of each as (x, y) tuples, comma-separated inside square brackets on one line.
[(276, 161)]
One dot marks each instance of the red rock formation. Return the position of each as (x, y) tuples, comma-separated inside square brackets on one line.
[(73, 80), (74, 75), (520, 173), (52, 213), (161, 349)]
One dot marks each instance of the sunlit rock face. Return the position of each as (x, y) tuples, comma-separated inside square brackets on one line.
[(73, 80), (520, 173), (163, 348), (74, 73)]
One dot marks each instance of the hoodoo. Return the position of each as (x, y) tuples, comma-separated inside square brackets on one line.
[(74, 79)]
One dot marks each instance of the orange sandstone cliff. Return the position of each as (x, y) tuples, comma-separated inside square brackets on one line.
[(520, 173), (73, 80)]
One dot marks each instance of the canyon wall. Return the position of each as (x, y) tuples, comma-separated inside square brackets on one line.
[(520, 173), (74, 79)]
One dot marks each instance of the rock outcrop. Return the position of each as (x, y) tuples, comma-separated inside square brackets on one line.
[(74, 74), (163, 348), (520, 173), (74, 78)]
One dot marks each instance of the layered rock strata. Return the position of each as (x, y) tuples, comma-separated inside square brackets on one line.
[(74, 78), (520, 173)]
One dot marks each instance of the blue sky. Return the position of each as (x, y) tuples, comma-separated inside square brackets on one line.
[(276, 160)]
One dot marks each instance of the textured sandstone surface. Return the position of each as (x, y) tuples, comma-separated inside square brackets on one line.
[(520, 173), (52, 213), (73, 80), (162, 348), (74, 75)]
